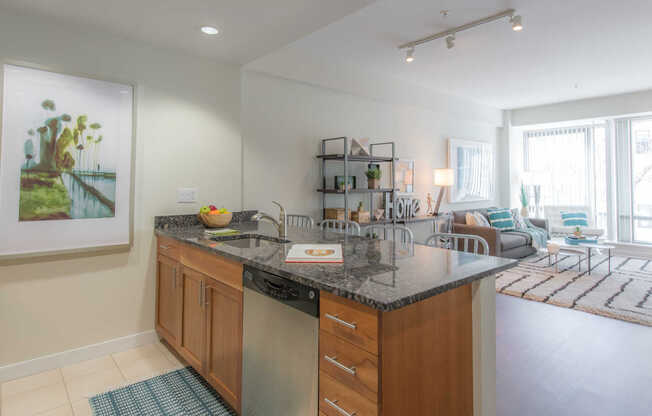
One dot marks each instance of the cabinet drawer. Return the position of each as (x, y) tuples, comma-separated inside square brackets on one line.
[(351, 366), (168, 247), (335, 399), (219, 268), (349, 320)]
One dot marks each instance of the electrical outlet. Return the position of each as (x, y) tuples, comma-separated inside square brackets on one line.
[(186, 195)]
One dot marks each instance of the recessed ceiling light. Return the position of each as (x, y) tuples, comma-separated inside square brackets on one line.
[(210, 30)]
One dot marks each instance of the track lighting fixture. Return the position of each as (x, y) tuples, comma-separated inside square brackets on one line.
[(450, 41), (409, 57), (449, 35), (517, 24)]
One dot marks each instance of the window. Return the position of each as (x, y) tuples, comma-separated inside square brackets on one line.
[(634, 182), (567, 167)]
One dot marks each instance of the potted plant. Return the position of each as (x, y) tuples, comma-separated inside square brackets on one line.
[(373, 178), (524, 201)]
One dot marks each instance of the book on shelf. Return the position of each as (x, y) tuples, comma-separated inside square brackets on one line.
[(315, 253)]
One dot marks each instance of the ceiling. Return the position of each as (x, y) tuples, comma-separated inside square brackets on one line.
[(568, 49), (249, 28)]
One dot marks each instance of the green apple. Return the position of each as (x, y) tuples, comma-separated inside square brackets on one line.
[(204, 210)]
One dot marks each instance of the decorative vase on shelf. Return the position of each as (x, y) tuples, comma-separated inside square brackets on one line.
[(524, 212), (373, 183)]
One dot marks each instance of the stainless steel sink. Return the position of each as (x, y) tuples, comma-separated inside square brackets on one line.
[(250, 241)]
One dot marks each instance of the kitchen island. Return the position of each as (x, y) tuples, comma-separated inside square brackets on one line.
[(418, 323)]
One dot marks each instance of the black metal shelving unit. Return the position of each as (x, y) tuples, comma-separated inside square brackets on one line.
[(346, 158)]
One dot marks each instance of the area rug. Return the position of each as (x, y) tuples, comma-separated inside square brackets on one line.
[(625, 293), (181, 392)]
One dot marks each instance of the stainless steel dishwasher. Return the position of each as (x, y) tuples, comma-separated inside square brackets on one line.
[(280, 346)]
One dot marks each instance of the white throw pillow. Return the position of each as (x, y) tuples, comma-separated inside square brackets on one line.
[(518, 220), (471, 219), (481, 220)]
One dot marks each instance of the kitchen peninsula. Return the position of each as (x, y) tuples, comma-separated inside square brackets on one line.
[(402, 330)]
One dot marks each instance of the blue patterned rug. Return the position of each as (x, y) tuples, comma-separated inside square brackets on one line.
[(181, 392)]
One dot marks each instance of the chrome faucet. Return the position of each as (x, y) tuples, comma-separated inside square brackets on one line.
[(282, 223)]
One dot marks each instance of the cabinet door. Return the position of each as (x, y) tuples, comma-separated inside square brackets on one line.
[(168, 301), (193, 320), (224, 340)]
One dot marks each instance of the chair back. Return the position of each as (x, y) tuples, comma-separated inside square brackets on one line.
[(341, 226), (553, 214), (301, 221), (460, 242), (397, 233)]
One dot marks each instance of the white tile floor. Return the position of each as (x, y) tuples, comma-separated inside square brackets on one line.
[(65, 391)]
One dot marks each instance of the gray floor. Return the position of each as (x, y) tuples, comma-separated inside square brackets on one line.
[(556, 361)]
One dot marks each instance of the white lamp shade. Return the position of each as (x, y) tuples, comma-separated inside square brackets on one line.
[(444, 177)]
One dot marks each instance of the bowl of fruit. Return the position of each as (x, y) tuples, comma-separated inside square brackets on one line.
[(212, 217)]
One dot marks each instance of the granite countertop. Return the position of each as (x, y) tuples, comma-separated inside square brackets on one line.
[(376, 273)]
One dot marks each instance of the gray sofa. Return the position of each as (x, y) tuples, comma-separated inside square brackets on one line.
[(510, 244)]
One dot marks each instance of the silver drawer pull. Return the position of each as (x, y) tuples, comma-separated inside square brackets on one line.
[(341, 322), (333, 404), (163, 247), (333, 360)]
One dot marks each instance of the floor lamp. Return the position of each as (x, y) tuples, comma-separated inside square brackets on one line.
[(443, 178)]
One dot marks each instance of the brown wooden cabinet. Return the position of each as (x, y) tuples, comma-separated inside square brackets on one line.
[(193, 320), (168, 296), (416, 360), (224, 340), (199, 313)]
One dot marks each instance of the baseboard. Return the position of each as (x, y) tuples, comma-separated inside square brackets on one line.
[(632, 250), (62, 359)]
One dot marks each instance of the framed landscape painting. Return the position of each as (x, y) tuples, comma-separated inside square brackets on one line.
[(473, 166), (65, 162)]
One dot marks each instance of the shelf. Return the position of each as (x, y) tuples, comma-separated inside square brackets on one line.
[(351, 158), (357, 191)]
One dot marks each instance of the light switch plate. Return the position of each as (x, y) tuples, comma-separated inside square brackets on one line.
[(186, 195)]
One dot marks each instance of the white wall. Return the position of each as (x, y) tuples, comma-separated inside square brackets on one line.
[(590, 108), (188, 134), (283, 120)]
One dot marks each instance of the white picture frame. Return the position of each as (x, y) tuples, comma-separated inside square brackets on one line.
[(405, 177), (99, 220), (474, 167)]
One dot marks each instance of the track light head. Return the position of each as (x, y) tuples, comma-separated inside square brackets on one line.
[(409, 56), (517, 23), (450, 41)]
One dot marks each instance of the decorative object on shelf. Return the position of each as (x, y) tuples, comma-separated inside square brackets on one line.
[(473, 163), (429, 210), (444, 178), (361, 216), (407, 207), (351, 183), (360, 147), (524, 201), (334, 214), (373, 178), (66, 163), (378, 214), (405, 176)]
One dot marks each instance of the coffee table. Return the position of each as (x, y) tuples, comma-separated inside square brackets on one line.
[(580, 248)]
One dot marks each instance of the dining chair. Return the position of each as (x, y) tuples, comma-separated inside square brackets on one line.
[(301, 221), (459, 242), (341, 226)]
